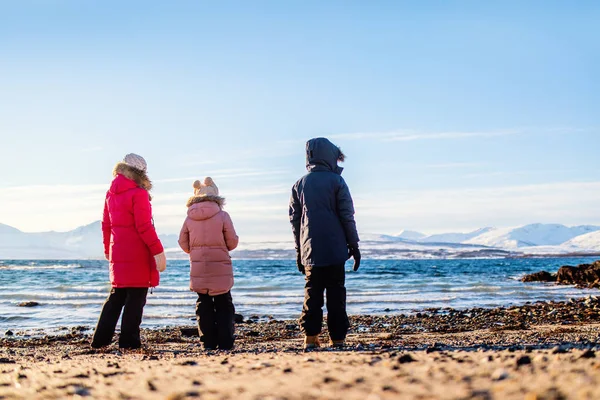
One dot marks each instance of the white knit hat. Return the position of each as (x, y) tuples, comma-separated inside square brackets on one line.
[(135, 161), (206, 188)]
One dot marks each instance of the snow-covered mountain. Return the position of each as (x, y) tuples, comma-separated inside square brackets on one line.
[(410, 235), (86, 242), (455, 237), (81, 243), (588, 241), (530, 235)]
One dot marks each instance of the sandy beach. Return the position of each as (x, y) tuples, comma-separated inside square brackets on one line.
[(536, 351)]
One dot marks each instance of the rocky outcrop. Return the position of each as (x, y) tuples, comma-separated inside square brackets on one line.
[(542, 276), (584, 276)]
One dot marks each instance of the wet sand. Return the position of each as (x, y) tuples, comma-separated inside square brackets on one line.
[(536, 351)]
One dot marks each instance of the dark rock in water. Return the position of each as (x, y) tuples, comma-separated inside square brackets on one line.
[(29, 304), (542, 276), (238, 318), (189, 332), (586, 275), (9, 333), (523, 360)]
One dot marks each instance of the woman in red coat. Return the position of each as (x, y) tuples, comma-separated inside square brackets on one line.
[(133, 250)]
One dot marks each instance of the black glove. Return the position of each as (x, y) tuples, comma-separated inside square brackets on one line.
[(354, 252), (299, 263)]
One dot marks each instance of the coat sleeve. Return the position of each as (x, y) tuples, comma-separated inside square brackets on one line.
[(106, 227), (295, 213), (142, 215), (184, 238), (345, 207), (231, 238)]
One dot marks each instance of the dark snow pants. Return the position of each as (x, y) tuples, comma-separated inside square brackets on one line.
[(132, 302), (330, 279), (215, 316)]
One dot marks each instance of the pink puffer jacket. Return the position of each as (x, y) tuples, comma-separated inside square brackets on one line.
[(207, 236)]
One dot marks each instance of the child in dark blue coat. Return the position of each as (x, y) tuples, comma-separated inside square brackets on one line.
[(322, 216)]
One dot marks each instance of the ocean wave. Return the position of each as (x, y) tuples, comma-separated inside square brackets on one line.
[(15, 267), (478, 288), (13, 318)]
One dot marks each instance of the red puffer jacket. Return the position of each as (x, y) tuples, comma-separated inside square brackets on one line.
[(130, 239)]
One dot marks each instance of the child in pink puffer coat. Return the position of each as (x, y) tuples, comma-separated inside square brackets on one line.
[(207, 236)]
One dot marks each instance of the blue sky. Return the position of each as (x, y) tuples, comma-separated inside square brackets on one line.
[(454, 115)]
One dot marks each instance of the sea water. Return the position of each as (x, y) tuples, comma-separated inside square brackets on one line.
[(71, 293)]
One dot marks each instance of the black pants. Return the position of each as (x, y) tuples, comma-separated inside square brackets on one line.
[(318, 280), (133, 301), (215, 320)]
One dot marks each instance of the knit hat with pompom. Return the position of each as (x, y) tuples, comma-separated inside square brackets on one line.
[(206, 188)]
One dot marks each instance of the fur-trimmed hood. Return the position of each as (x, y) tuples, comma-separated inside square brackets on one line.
[(138, 176), (203, 210), (201, 199), (321, 155)]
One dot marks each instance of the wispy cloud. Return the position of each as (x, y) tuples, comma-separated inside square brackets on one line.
[(407, 135), (92, 149), (454, 165), (225, 174)]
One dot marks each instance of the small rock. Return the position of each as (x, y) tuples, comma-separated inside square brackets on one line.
[(189, 363), (196, 383), (9, 333), (406, 358), (252, 334), (151, 386), (4, 360), (328, 379), (288, 370), (523, 360), (588, 354), (29, 304), (500, 375), (189, 332), (559, 350), (81, 391), (261, 365)]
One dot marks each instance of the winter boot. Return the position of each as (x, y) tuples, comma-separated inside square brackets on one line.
[(311, 342)]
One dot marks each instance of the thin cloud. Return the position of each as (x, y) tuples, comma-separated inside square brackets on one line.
[(454, 165), (225, 174), (406, 136)]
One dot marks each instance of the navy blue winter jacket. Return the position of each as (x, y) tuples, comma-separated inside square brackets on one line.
[(321, 208)]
